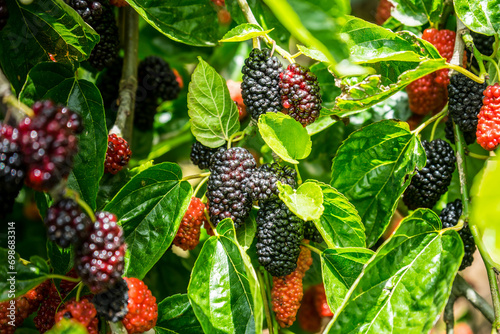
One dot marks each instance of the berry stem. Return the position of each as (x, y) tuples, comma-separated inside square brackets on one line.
[(299, 178), (79, 291), (267, 310), (17, 109), (314, 249), (476, 156), (448, 317), (64, 278), (195, 176), (74, 195), (492, 61), (434, 127), (233, 138), (430, 120), (468, 74), (200, 184), (462, 288), (128, 85), (207, 216)]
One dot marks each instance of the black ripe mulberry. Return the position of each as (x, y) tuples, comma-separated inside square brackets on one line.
[(12, 168), (66, 223), (432, 181), (449, 217), (312, 233), (300, 94), (469, 136), (279, 233), (260, 87), (49, 143), (99, 260), (4, 14), (106, 51), (90, 10), (261, 185), (112, 303), (109, 85), (201, 154), (465, 101), (226, 194), (484, 45)]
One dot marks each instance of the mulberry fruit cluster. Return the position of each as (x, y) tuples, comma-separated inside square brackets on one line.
[(188, 235), (483, 43), (260, 87), (109, 85), (156, 81), (66, 223), (12, 168), (314, 307), (201, 154), (469, 136), (4, 13), (117, 155), (99, 259), (261, 185), (106, 51), (90, 10), (300, 94), (488, 127), (279, 233), (287, 291), (82, 312), (449, 217), (383, 11), (429, 94), (142, 308), (432, 181), (311, 232), (465, 101), (49, 144), (112, 303), (226, 193)]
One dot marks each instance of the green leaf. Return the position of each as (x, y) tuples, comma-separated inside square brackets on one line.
[(312, 53), (406, 285), (415, 13), (192, 22), (36, 31), (341, 267), (485, 210), (244, 32), (246, 233), (176, 315), (220, 287), (480, 16), (285, 136), (61, 259), (67, 327), (371, 169), (214, 115), (150, 208), (306, 202), (340, 224), (24, 276), (58, 82)]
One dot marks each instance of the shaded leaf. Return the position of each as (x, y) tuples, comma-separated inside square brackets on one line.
[(176, 315)]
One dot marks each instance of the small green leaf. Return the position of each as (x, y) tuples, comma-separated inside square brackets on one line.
[(219, 290), (68, 327), (415, 13), (285, 136), (150, 208), (214, 115), (341, 267), (478, 15), (61, 259), (306, 201), (40, 30), (176, 315), (244, 32), (246, 233), (16, 278), (313, 53), (405, 286), (371, 169), (340, 224)]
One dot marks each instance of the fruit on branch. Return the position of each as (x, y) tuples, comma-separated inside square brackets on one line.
[(82, 312), (117, 155), (99, 260), (261, 185), (67, 286), (109, 84), (450, 217), (201, 154), (90, 10), (118, 3), (429, 94), (260, 87), (279, 233), (188, 235), (46, 316), (309, 318), (465, 101), (383, 11), (4, 13), (235, 92), (432, 181), (66, 223), (106, 51), (49, 143), (112, 303), (469, 136), (483, 43), (300, 94), (488, 127), (311, 232), (142, 309), (287, 291), (320, 301), (12, 168), (226, 194)]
